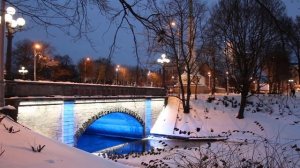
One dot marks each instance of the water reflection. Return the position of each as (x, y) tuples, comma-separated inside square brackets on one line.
[(120, 133), (146, 145), (110, 130), (92, 143)]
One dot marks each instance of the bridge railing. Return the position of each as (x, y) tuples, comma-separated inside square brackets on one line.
[(46, 88)]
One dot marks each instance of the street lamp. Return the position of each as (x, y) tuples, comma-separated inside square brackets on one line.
[(23, 71), (2, 29), (291, 81), (117, 72), (209, 75), (177, 32), (227, 82), (173, 24), (37, 51), (12, 27), (163, 60), (85, 62), (148, 76)]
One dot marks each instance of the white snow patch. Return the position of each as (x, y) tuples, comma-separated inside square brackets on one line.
[(18, 153)]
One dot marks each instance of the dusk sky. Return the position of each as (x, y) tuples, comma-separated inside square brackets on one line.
[(102, 39)]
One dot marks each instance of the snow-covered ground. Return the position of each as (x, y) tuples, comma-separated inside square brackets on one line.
[(270, 129), (271, 121), (16, 150), (268, 116)]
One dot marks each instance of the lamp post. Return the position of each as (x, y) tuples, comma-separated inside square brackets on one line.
[(12, 26), (209, 75), (85, 71), (177, 31), (2, 26), (37, 51), (23, 71), (117, 72), (227, 82), (290, 81), (163, 60), (148, 76)]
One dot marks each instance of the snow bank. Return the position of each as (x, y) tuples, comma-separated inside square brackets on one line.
[(271, 117), (17, 153)]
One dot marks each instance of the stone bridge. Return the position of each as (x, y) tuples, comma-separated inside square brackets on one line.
[(45, 88), (66, 119)]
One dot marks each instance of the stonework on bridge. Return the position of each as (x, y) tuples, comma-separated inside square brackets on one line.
[(65, 121), (44, 88)]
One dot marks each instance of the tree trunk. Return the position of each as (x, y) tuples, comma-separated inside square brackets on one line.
[(244, 95), (186, 108), (196, 90), (213, 89), (188, 97), (258, 82), (242, 107), (298, 56), (298, 72)]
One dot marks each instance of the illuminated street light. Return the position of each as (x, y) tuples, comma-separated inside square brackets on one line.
[(209, 75), (148, 76), (37, 51), (163, 60), (291, 81), (117, 73), (23, 71), (12, 27), (173, 23), (85, 71)]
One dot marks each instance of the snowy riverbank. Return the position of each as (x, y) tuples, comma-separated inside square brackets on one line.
[(271, 122)]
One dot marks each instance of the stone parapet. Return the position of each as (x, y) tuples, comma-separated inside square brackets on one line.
[(41, 88)]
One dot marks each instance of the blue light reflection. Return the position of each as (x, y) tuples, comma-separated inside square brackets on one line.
[(110, 130), (68, 123)]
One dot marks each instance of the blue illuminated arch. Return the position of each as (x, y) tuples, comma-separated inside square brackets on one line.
[(86, 124)]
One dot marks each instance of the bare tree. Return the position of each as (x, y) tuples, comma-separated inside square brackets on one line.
[(24, 56), (294, 40), (244, 27), (277, 66), (176, 30), (65, 70)]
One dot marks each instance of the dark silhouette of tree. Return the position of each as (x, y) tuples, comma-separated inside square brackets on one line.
[(294, 39), (24, 56), (176, 31), (244, 27), (65, 70), (277, 67), (105, 71)]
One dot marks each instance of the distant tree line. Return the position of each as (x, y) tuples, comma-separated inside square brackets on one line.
[(55, 67)]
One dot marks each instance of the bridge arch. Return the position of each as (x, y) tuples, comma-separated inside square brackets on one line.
[(104, 112)]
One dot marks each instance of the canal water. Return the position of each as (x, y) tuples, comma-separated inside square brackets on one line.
[(147, 144), (118, 129), (110, 130), (120, 133)]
